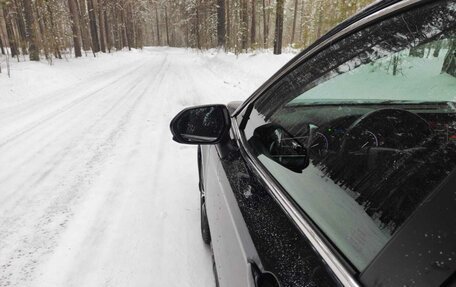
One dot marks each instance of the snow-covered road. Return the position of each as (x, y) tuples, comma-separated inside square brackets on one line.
[(93, 192)]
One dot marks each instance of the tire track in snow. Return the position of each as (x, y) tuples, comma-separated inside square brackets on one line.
[(58, 213), (184, 96), (67, 107), (53, 160), (61, 131), (29, 107)]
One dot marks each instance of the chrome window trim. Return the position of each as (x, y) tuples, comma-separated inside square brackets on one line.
[(338, 36), (336, 266)]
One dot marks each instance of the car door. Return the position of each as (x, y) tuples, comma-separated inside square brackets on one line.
[(232, 246), (352, 235), (252, 237)]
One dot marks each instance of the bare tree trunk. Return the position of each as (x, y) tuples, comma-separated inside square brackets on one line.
[(2, 49), (166, 25), (93, 27), (75, 28), (139, 41), (244, 24), (121, 40), (293, 31), (130, 27), (221, 23), (198, 36), (187, 35), (42, 32), (108, 32), (301, 25), (125, 34), (3, 35), (265, 26), (101, 26), (21, 27), (4, 41), (279, 28), (253, 25), (228, 24), (320, 21), (55, 42), (83, 23), (157, 25), (34, 52), (10, 33)]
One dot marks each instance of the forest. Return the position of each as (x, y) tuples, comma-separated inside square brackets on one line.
[(47, 29)]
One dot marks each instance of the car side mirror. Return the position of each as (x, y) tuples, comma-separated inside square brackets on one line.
[(201, 125)]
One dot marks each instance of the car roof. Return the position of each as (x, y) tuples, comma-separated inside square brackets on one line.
[(373, 8)]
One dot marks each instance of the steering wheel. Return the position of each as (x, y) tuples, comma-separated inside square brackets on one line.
[(401, 130)]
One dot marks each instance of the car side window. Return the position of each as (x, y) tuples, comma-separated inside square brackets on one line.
[(361, 134)]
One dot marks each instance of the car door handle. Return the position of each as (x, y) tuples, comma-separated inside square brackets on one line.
[(263, 278)]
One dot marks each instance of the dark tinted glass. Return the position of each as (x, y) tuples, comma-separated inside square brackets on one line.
[(376, 114)]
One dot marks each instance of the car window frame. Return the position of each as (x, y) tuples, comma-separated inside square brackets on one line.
[(336, 262)]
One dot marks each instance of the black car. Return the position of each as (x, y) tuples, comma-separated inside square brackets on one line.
[(341, 169)]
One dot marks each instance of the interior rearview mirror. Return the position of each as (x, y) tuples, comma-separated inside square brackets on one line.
[(201, 125)]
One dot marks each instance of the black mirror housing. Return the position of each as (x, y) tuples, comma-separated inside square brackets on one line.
[(201, 125)]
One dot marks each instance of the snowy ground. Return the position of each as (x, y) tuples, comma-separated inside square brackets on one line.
[(93, 192)]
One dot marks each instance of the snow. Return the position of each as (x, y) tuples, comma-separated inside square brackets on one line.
[(93, 192)]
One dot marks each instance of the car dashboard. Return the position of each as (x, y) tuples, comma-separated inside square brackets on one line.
[(322, 128)]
